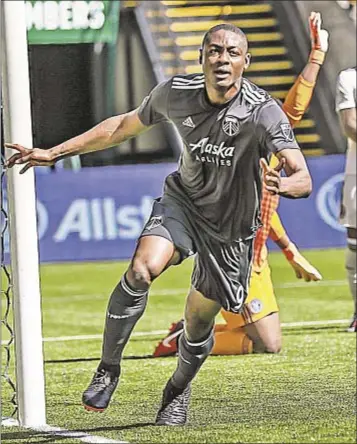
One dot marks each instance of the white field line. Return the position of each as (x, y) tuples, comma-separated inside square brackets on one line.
[(63, 433), (164, 332), (183, 291), (301, 284), (315, 323)]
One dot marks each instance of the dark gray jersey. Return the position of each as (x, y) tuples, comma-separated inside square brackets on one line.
[(219, 179)]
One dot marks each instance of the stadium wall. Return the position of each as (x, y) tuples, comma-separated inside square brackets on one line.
[(98, 213)]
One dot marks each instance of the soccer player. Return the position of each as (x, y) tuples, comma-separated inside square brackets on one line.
[(258, 328), (210, 205), (346, 108)]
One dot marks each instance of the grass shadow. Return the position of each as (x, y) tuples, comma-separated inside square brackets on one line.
[(64, 361), (48, 437)]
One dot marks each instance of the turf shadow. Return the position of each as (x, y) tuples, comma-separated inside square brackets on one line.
[(64, 361), (120, 428), (43, 437)]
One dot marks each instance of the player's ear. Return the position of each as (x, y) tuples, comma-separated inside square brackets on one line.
[(200, 57), (248, 57)]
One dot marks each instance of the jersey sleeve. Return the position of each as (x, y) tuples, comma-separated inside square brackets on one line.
[(274, 129), (277, 230), (298, 99), (154, 108), (345, 98)]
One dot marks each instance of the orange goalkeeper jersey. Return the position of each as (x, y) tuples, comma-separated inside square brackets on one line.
[(295, 106)]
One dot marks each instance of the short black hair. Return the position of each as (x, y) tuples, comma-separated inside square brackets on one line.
[(226, 27)]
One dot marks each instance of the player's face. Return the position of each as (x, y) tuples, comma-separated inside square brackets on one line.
[(224, 59)]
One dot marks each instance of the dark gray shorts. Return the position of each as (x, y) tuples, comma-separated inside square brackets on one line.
[(221, 270)]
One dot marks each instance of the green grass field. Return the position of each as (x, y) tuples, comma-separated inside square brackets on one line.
[(306, 394)]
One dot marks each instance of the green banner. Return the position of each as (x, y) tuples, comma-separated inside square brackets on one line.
[(63, 22)]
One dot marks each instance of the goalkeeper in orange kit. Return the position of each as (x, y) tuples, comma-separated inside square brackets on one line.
[(257, 329)]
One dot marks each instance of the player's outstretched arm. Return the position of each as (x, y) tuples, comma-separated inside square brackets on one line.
[(303, 269), (300, 94), (319, 47), (298, 182), (106, 134)]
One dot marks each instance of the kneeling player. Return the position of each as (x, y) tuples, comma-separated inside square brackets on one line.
[(257, 329)]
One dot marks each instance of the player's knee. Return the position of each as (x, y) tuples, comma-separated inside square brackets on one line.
[(267, 345), (273, 346), (196, 327), (139, 275), (142, 272)]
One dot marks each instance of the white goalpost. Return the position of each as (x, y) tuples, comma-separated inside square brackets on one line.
[(30, 386)]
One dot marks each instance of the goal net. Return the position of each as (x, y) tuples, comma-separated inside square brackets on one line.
[(8, 388)]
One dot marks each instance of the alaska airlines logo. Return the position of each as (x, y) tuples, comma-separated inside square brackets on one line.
[(208, 152), (328, 201)]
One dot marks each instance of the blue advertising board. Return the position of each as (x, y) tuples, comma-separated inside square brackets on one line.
[(313, 222), (98, 213)]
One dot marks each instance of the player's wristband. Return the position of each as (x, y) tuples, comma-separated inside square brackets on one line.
[(317, 56)]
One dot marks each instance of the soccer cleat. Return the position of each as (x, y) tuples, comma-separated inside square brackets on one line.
[(353, 326), (97, 396), (168, 345), (174, 406)]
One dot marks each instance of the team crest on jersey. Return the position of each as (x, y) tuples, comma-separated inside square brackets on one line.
[(255, 306), (287, 132), (230, 126), (154, 222)]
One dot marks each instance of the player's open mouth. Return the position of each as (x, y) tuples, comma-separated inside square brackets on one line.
[(222, 74)]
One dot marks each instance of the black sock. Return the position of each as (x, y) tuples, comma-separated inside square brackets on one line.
[(191, 356), (111, 368), (126, 306)]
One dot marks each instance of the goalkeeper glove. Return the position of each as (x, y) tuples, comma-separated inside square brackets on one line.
[(303, 269), (319, 39)]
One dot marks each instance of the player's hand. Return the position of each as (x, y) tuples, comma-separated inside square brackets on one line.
[(303, 268), (271, 176), (319, 37), (28, 156)]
